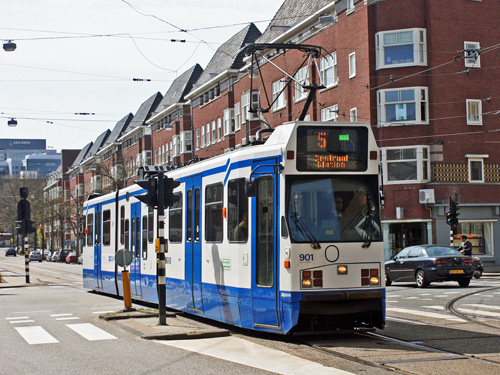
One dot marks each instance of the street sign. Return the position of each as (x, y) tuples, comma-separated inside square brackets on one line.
[(123, 258)]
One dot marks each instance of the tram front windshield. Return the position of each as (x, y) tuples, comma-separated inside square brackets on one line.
[(333, 209)]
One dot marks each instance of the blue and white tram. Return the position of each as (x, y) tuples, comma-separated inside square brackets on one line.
[(283, 236)]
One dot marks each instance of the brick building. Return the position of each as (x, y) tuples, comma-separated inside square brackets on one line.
[(421, 72)]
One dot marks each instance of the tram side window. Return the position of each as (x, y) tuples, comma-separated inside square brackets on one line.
[(150, 224), (175, 221), (213, 213), (127, 234), (122, 225), (106, 227), (237, 215), (90, 229), (144, 237)]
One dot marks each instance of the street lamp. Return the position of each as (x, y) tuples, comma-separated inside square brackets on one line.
[(9, 46)]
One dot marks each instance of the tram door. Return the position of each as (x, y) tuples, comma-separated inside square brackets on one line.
[(135, 248), (265, 245), (193, 244), (98, 245)]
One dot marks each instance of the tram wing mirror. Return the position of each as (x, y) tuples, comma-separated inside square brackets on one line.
[(250, 187)]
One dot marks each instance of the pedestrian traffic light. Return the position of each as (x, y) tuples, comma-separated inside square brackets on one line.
[(168, 191), (151, 196)]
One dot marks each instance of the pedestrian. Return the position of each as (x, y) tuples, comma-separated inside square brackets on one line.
[(466, 247)]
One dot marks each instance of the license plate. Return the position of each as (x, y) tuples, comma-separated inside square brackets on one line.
[(456, 271)]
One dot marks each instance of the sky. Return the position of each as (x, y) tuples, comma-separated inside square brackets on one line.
[(72, 74)]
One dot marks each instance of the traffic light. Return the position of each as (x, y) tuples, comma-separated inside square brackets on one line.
[(449, 218), (452, 214), (30, 226), (168, 191), (21, 226), (151, 196), (23, 209)]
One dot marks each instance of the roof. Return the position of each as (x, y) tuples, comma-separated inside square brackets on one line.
[(144, 112), (118, 129), (81, 155), (229, 55), (180, 87), (98, 143), (291, 13)]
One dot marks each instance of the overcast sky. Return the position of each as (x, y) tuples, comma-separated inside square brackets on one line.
[(81, 56)]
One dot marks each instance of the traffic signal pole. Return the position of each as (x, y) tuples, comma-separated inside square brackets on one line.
[(27, 259), (161, 274)]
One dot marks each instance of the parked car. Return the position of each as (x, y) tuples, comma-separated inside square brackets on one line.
[(71, 257), (10, 251), (35, 255), (80, 259), (63, 254), (424, 264), (55, 256)]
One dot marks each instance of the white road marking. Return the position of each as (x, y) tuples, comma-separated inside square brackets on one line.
[(18, 317), (250, 354), (21, 321), (103, 312), (69, 318), (483, 306), (480, 312), (56, 315), (91, 332), (35, 335), (425, 314)]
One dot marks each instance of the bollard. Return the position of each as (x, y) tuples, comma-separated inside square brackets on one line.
[(127, 296)]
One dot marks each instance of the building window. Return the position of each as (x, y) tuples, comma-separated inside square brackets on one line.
[(476, 167), (202, 137), (213, 213), (214, 132), (328, 70), (397, 48), (330, 113), (354, 114), (472, 57), (186, 142), (352, 65), (480, 234), (237, 117), (245, 106), (279, 101), (474, 112), (228, 121), (350, 6), (197, 138), (219, 129), (302, 80), (207, 134), (403, 106), (406, 164)]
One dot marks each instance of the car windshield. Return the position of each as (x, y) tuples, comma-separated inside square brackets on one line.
[(340, 209), (437, 251)]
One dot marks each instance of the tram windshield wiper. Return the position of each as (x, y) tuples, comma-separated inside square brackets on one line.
[(305, 231)]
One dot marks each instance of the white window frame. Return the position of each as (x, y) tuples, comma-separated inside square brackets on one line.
[(219, 129), (330, 113), (198, 139), (419, 42), (302, 79), (422, 157), (207, 135), (352, 65), (176, 145), (237, 117), (280, 102), (202, 145), (245, 107), (350, 6), (473, 158), (228, 121), (421, 97), (474, 109), (327, 66), (214, 132), (353, 115), (472, 60), (186, 142)]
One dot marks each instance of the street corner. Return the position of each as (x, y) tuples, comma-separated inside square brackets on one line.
[(9, 279)]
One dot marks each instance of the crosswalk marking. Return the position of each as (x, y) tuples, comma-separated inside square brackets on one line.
[(18, 317), (58, 315), (480, 305), (480, 313), (69, 318), (91, 332), (427, 314), (34, 335), (21, 321)]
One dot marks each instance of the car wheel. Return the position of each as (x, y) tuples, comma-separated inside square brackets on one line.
[(420, 279), (388, 281), (478, 274), (464, 282)]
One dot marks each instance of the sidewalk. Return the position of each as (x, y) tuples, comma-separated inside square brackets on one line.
[(10, 279)]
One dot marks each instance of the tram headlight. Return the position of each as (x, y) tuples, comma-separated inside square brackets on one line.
[(341, 270), (370, 277), (306, 283)]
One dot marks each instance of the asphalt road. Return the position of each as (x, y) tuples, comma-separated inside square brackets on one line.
[(440, 329)]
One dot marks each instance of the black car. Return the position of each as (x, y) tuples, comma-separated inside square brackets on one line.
[(10, 251), (425, 264)]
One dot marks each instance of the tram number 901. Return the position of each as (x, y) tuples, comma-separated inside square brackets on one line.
[(306, 257)]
